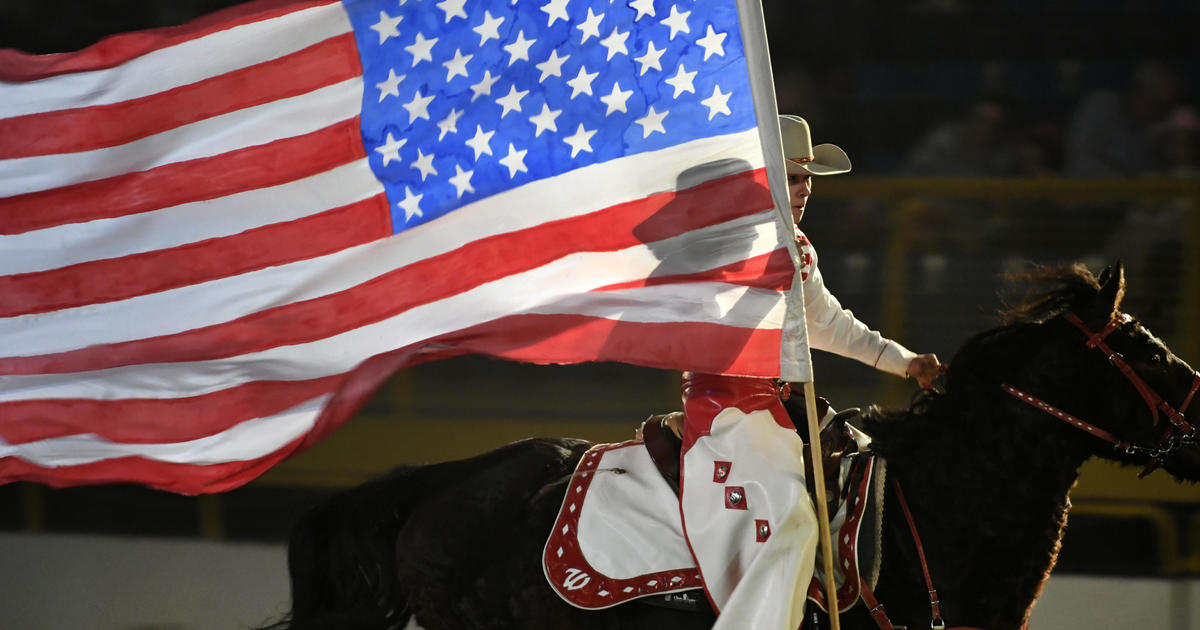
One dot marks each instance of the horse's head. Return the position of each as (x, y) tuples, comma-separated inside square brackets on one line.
[(1132, 391)]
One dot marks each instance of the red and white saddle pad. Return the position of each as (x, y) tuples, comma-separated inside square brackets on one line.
[(619, 535)]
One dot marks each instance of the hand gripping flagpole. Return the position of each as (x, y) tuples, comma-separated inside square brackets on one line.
[(826, 540)]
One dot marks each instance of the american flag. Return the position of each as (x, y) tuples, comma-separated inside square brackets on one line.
[(216, 240)]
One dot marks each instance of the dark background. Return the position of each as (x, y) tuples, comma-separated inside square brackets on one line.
[(883, 80)]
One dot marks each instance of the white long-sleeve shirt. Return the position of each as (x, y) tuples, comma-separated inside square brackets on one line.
[(835, 329)]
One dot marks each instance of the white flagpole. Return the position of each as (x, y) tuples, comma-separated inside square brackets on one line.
[(795, 363)]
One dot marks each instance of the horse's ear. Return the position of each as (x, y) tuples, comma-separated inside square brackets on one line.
[(1104, 275), (1112, 291)]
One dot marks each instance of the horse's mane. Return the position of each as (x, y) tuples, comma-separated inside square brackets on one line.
[(1042, 293), (1048, 292)]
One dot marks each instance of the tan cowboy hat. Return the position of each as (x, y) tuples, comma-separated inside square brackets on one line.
[(803, 157)]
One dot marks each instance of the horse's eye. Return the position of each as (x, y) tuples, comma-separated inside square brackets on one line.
[(1156, 358)]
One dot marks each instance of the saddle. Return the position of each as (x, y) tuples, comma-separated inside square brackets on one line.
[(836, 442)]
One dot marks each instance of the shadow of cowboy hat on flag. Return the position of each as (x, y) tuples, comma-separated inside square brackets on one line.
[(803, 157)]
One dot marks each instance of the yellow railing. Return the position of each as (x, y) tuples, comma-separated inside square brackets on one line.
[(899, 195)]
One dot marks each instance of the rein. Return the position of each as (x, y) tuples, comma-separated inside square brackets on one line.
[(1179, 433), (876, 609)]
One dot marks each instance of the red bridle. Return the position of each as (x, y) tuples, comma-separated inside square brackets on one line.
[(1177, 434)]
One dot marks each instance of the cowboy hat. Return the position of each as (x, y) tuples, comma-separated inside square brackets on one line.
[(803, 157)]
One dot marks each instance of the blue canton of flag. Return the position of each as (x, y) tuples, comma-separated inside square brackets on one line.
[(464, 99)]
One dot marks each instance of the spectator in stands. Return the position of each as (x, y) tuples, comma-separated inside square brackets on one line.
[(1178, 141), (982, 144), (1111, 133)]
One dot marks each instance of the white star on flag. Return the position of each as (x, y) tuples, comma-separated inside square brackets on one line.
[(616, 99), (453, 9), (480, 142), (449, 124), (682, 81), (390, 86), (514, 161), (386, 26), (552, 66), (519, 49), (511, 102), (489, 29), (457, 66), (424, 164), (580, 140), (643, 7), (614, 41), (712, 43), (590, 26), (462, 180), (545, 120), (484, 87), (718, 103), (677, 22), (652, 122), (411, 204), (421, 49), (418, 107), (390, 150), (582, 83), (556, 10), (650, 59)]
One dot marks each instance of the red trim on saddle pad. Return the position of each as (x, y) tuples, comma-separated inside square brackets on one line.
[(570, 573), (847, 545)]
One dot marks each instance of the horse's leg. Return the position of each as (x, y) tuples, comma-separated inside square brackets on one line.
[(341, 557)]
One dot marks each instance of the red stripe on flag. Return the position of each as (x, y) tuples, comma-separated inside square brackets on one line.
[(181, 478), (115, 50), (88, 128), (422, 282), (771, 271), (704, 347), (141, 420), (254, 167), (356, 388), (137, 274)]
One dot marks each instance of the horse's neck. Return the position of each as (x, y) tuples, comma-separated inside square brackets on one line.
[(990, 514)]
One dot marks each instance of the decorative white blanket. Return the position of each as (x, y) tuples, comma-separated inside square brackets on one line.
[(619, 535)]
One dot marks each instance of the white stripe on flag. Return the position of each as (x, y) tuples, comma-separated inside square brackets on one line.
[(243, 442), (539, 288), (731, 304), (588, 189), (183, 64), (71, 244), (284, 118)]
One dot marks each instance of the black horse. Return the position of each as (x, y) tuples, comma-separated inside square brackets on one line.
[(458, 545)]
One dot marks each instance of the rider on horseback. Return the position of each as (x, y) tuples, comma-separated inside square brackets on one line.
[(746, 515)]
